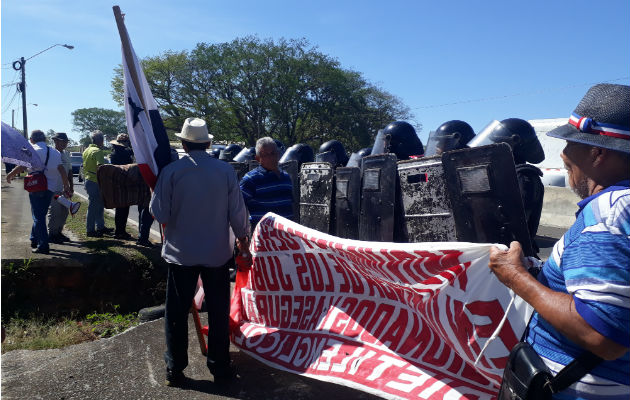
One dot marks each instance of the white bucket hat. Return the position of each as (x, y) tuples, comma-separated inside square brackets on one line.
[(195, 131)]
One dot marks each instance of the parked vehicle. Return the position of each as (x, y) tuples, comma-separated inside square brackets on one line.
[(77, 161), (552, 166)]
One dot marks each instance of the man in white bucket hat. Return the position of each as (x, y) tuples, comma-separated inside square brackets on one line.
[(198, 199)]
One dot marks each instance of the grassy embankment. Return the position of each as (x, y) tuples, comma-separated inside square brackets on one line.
[(36, 332)]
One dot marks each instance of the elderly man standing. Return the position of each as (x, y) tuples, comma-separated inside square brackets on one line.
[(198, 199), (94, 156), (267, 188), (57, 214), (582, 292), (56, 180)]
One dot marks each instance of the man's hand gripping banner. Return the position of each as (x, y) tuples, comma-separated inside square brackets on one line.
[(399, 320)]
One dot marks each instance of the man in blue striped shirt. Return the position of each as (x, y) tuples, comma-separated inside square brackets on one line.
[(267, 188), (582, 295)]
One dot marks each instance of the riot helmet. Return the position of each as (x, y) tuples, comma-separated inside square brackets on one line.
[(230, 152), (399, 138), (281, 147), (518, 133), (355, 158), (451, 135), (245, 155), (300, 152), (215, 150), (332, 152)]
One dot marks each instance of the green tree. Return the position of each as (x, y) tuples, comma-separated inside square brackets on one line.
[(249, 88), (86, 120)]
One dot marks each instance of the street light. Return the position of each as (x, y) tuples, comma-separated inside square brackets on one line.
[(20, 65)]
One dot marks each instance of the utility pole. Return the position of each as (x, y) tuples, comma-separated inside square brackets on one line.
[(12, 118), (23, 87), (19, 65)]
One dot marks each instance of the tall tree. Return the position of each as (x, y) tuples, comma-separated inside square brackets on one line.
[(249, 88), (86, 120)]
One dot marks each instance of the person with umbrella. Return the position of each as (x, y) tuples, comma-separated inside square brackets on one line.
[(56, 180)]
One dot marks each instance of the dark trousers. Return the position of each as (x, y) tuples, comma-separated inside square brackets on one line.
[(180, 290), (146, 219)]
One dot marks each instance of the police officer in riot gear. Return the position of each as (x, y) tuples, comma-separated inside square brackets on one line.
[(355, 158), (332, 152), (281, 147), (399, 138), (245, 155), (230, 152), (300, 152), (451, 135), (526, 148)]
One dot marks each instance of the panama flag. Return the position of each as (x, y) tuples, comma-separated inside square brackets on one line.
[(146, 130)]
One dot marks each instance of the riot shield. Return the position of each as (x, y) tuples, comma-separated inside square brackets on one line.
[(291, 168), (378, 195), (347, 202), (240, 168), (316, 184), (428, 215), (485, 197), (252, 164)]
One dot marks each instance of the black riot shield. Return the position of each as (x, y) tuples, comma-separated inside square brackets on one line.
[(486, 200), (316, 184), (378, 195), (240, 168), (428, 215), (291, 168), (347, 202), (252, 164)]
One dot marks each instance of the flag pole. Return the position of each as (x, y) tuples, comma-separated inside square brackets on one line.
[(124, 39)]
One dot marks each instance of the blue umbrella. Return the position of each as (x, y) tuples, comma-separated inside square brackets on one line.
[(17, 150)]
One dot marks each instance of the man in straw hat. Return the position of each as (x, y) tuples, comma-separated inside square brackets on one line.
[(581, 296), (57, 213), (198, 199)]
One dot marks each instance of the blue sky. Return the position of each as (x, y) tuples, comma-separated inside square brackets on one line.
[(469, 60)]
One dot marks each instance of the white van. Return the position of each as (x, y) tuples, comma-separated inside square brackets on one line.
[(552, 166)]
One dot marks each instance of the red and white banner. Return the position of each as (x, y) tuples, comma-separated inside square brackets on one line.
[(399, 320)]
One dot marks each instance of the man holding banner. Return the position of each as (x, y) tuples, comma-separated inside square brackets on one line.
[(198, 199), (581, 295)]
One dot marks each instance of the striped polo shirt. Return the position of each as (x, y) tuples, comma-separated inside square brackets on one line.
[(265, 191), (592, 263)]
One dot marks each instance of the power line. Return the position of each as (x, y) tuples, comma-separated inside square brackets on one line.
[(535, 92), (9, 84), (11, 102)]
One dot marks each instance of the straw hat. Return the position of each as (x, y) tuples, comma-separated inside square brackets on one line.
[(602, 119), (195, 131)]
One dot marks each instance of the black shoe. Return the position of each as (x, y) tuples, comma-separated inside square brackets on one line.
[(174, 378), (223, 376), (33, 244), (105, 230), (122, 236), (63, 238), (94, 234), (39, 250), (55, 239), (145, 243)]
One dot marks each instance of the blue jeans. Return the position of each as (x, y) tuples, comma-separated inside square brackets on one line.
[(40, 201), (96, 207), (180, 290)]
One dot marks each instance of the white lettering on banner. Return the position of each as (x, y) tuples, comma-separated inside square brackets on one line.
[(396, 320)]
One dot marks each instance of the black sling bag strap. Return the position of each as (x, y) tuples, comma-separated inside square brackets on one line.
[(573, 371), (526, 377)]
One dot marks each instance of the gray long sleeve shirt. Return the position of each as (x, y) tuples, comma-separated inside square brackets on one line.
[(198, 198)]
